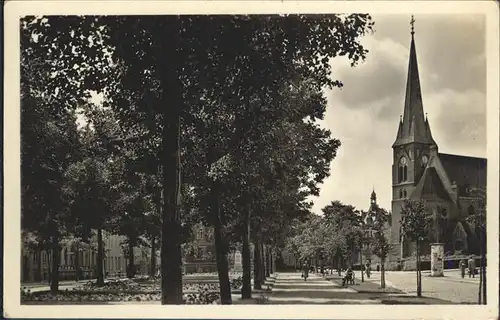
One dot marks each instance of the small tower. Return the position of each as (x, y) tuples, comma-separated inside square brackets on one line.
[(373, 197)]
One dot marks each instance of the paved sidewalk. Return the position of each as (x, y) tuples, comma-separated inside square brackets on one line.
[(451, 287), (290, 288)]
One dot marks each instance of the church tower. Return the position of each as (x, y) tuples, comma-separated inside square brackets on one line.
[(413, 144), (373, 198)]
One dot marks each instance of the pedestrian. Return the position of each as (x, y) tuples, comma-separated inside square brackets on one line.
[(368, 270), (378, 267), (348, 277), (463, 266), (305, 270), (472, 267)]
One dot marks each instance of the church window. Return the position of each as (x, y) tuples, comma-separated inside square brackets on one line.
[(404, 193), (443, 212), (418, 152), (402, 170), (470, 210), (401, 194)]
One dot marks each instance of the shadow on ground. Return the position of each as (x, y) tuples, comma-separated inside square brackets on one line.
[(292, 289)]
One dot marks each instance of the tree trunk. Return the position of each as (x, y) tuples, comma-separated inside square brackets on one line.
[(257, 274), (49, 264), (153, 256), (56, 256), (339, 268), (262, 262), (246, 290), (272, 263), (419, 279), (100, 258), (77, 263), (484, 283), (382, 273), (483, 268), (221, 250), (171, 256), (268, 263), (38, 272), (131, 264), (361, 266), (479, 293)]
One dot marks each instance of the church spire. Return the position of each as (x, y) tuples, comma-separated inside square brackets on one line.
[(413, 127)]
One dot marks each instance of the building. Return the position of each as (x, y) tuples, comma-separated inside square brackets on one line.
[(199, 254), (36, 263), (369, 218), (446, 182)]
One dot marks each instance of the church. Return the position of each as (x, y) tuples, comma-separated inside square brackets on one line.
[(450, 184)]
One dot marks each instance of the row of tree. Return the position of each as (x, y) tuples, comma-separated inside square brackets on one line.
[(206, 119), (339, 234)]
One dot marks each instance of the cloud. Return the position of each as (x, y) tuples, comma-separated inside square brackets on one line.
[(364, 114), (380, 76), (459, 121)]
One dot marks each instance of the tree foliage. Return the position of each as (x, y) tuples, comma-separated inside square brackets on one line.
[(232, 100)]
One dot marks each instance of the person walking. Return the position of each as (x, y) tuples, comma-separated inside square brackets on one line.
[(305, 270), (463, 266), (368, 270), (472, 267)]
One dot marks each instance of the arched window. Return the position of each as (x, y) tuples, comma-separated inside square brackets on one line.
[(470, 210), (400, 193), (404, 193), (402, 170)]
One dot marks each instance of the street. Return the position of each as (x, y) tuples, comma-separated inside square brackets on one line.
[(451, 287)]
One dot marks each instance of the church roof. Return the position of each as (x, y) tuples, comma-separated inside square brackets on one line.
[(431, 185), (464, 170), (413, 127)]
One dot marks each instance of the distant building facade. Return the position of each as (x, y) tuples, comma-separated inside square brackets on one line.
[(36, 264), (368, 219), (446, 182), (201, 255)]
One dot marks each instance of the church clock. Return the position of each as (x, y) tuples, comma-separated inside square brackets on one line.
[(425, 159)]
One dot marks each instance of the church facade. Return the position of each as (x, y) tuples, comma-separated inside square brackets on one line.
[(449, 184)]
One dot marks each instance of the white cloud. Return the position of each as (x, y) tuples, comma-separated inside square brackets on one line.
[(364, 115)]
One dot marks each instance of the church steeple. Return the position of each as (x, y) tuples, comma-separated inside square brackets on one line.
[(373, 196), (412, 126)]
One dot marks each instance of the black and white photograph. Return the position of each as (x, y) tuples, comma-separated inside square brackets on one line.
[(271, 156)]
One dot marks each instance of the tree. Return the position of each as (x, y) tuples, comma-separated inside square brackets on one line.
[(345, 224), (149, 67), (380, 243), (416, 222), (49, 144), (92, 182), (478, 220)]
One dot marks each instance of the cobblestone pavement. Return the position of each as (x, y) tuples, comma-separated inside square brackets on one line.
[(290, 288), (451, 287)]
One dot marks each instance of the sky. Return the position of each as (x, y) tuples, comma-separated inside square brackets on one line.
[(364, 114)]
